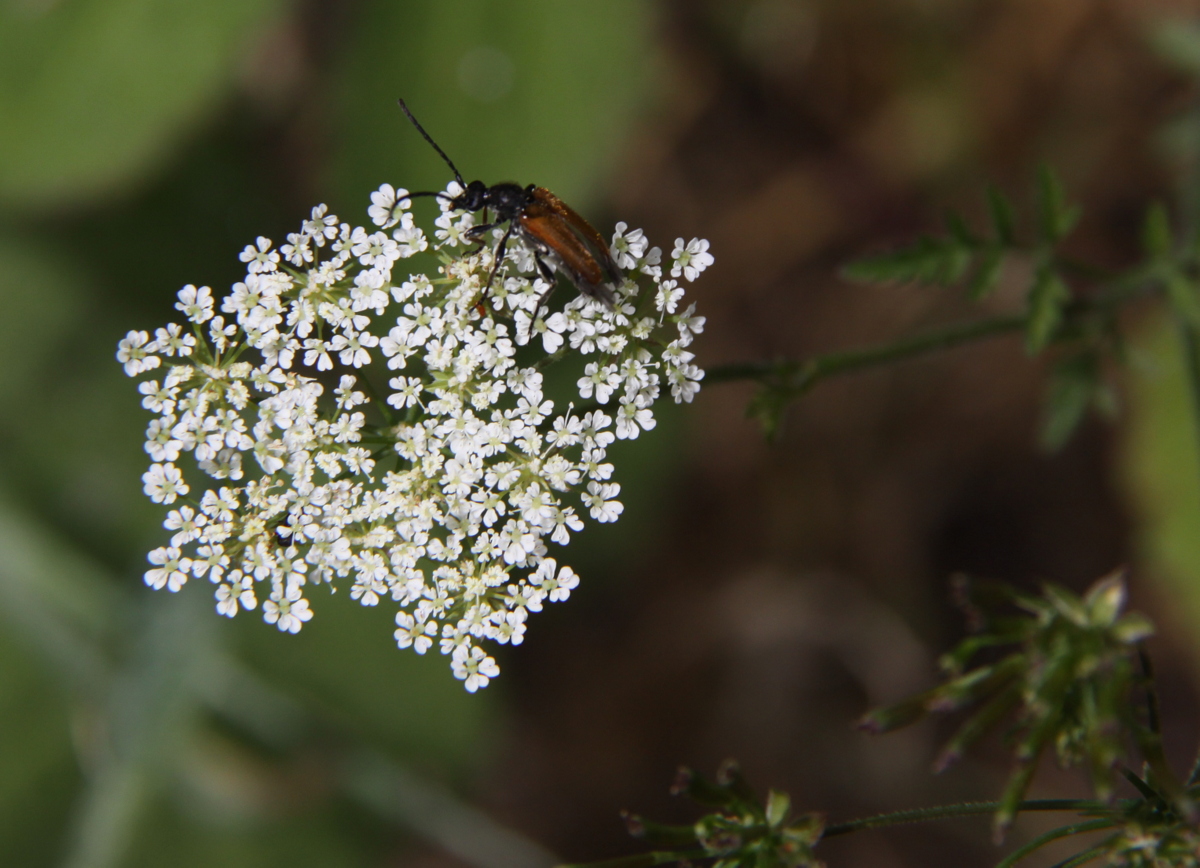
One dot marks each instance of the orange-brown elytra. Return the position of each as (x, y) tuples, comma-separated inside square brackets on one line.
[(551, 228)]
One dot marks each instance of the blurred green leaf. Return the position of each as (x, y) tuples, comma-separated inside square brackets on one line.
[(307, 836), (1048, 298), (70, 425), (55, 599), (76, 454), (1183, 296), (778, 805), (1056, 218), (930, 260), (1156, 232), (1073, 387), (38, 773), (987, 274), (345, 666), (533, 91), (1178, 43), (43, 299), (94, 93), (768, 406), (53, 605), (1001, 212), (958, 229)]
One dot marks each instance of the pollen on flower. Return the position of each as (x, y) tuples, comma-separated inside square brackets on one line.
[(389, 434)]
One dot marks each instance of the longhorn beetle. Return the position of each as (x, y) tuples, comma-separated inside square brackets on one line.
[(551, 228)]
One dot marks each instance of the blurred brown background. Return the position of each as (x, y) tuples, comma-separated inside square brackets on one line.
[(756, 597)]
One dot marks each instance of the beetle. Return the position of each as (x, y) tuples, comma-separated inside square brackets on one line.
[(552, 229)]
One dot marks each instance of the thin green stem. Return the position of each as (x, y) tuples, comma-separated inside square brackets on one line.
[(1153, 708), (1053, 835), (379, 403), (1191, 361), (803, 375), (1194, 775), (947, 812), (1086, 856), (1188, 199), (798, 377), (644, 860)]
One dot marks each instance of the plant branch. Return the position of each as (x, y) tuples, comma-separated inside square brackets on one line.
[(1086, 856), (803, 375), (1190, 344), (1053, 835), (785, 380), (644, 860), (1115, 293), (947, 812)]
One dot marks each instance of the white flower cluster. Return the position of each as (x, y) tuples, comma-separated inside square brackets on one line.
[(440, 493)]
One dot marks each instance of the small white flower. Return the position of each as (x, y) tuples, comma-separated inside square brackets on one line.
[(602, 379), (408, 392), (669, 293), (345, 394), (413, 633), (385, 210), (134, 352), (628, 247), (351, 347), (452, 230), (164, 483), (188, 524), (630, 416), (689, 324), (260, 256), (690, 259), (172, 340), (561, 586), (599, 501), (158, 400), (221, 333), (410, 240), (170, 569), (287, 610), (472, 665), (196, 304), (237, 593), (160, 441), (320, 227)]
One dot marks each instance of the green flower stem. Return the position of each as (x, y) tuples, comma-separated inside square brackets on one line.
[(1086, 856), (376, 399), (803, 375), (645, 860), (1190, 345), (1149, 740), (948, 812), (1188, 203), (1053, 835), (799, 377)]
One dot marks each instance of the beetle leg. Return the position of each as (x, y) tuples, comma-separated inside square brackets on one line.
[(549, 277), (501, 249), (476, 233), (546, 272)]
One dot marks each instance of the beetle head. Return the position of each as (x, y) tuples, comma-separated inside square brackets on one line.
[(471, 199)]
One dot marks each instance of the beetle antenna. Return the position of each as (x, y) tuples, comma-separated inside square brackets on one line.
[(439, 194), (420, 129)]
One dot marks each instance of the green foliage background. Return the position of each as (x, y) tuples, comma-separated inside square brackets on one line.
[(143, 143)]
